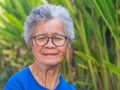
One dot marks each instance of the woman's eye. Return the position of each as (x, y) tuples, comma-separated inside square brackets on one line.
[(58, 38), (41, 38)]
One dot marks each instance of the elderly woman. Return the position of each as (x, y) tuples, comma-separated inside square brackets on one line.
[(48, 30)]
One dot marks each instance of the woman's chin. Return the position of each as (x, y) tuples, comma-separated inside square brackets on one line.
[(51, 63)]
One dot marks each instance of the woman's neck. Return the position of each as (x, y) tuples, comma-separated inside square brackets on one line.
[(46, 76)]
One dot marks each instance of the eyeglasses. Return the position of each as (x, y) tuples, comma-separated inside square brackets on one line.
[(57, 39)]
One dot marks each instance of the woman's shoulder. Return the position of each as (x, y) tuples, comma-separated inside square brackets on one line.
[(65, 85), (17, 79), (21, 74)]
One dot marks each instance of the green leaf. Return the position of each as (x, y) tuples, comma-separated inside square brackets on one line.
[(87, 57), (114, 69)]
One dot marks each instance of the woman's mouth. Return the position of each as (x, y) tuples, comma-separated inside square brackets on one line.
[(50, 54)]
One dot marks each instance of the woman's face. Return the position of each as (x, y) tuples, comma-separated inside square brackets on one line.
[(49, 54)]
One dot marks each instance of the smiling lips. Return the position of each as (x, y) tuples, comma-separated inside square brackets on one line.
[(50, 54)]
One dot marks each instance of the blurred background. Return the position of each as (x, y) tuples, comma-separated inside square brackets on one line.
[(95, 64)]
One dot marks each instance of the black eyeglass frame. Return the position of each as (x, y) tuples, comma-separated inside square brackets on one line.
[(34, 37)]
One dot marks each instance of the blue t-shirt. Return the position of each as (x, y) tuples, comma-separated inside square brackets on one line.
[(24, 80)]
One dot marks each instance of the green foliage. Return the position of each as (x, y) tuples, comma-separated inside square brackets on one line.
[(96, 49)]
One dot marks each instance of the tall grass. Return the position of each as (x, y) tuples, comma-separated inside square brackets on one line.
[(96, 49)]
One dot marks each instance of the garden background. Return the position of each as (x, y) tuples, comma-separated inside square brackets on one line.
[(95, 64)]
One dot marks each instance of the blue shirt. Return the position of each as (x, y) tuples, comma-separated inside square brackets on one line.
[(24, 80)]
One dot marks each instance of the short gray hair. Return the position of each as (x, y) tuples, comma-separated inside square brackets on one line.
[(49, 11)]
